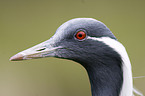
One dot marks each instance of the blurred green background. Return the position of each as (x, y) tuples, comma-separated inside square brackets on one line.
[(25, 23)]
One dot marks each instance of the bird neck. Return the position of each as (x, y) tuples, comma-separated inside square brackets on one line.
[(108, 67), (105, 80)]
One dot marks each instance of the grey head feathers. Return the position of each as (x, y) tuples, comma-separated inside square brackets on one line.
[(92, 26)]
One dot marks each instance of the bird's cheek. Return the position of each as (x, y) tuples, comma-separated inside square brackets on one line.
[(61, 53), (65, 53)]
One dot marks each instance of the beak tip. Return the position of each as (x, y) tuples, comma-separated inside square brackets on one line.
[(16, 57)]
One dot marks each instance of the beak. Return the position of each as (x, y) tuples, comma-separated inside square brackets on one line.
[(44, 49)]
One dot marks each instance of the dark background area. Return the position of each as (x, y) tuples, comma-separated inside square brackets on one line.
[(25, 23)]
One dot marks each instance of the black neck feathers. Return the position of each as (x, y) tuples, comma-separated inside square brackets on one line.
[(104, 67), (105, 80)]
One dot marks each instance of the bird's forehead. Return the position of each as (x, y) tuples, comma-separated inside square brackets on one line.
[(76, 23), (72, 25), (92, 26)]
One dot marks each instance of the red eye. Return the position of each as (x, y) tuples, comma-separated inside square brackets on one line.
[(80, 35)]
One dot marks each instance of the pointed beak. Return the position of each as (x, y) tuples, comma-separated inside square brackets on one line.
[(16, 57), (44, 49)]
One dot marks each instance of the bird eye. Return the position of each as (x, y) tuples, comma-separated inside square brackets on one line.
[(80, 35)]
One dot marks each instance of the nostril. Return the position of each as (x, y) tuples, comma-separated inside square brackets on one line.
[(41, 49)]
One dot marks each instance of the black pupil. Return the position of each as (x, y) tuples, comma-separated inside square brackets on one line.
[(80, 35)]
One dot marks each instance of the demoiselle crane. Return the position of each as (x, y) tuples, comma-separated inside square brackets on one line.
[(90, 43)]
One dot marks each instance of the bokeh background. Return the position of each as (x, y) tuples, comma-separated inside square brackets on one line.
[(25, 23)]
